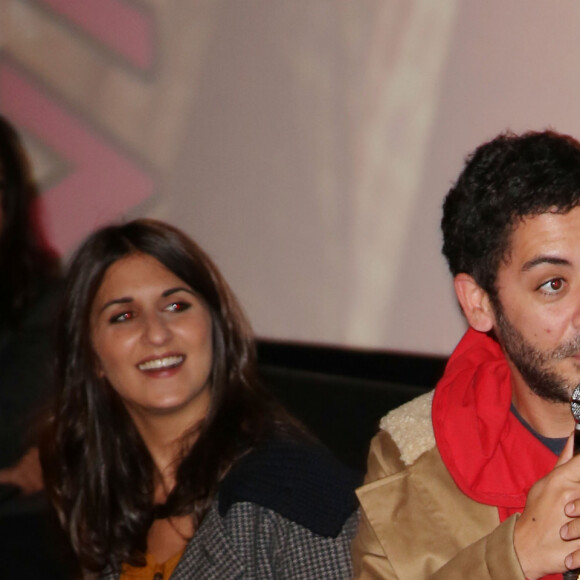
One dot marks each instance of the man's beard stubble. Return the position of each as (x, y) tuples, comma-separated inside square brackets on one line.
[(532, 363)]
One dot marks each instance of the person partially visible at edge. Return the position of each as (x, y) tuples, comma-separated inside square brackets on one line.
[(477, 479), (29, 289), (164, 455)]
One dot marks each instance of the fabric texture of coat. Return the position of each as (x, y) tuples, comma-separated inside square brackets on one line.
[(285, 511), (447, 476)]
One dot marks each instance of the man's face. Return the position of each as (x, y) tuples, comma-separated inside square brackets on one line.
[(537, 320)]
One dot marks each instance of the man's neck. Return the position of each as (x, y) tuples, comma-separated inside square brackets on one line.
[(548, 418)]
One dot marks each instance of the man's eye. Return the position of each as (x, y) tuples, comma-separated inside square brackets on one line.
[(122, 317), (553, 286), (178, 306)]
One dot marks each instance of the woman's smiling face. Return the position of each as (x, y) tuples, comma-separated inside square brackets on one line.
[(152, 338)]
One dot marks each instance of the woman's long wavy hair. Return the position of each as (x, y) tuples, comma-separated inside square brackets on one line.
[(26, 262), (98, 472)]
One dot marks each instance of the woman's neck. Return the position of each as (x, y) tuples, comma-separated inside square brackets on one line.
[(166, 442), (168, 436)]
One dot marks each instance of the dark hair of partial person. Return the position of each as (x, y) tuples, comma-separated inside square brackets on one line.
[(504, 181), (97, 469), (26, 262)]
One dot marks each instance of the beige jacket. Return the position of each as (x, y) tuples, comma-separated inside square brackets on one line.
[(416, 524)]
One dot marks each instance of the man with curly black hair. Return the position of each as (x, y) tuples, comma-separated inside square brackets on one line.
[(477, 479)]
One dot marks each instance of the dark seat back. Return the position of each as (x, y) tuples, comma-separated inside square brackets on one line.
[(341, 394)]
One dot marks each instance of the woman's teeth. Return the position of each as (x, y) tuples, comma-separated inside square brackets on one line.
[(161, 363)]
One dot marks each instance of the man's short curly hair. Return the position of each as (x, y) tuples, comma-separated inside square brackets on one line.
[(505, 180)]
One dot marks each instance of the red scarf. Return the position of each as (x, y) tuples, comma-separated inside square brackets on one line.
[(491, 456)]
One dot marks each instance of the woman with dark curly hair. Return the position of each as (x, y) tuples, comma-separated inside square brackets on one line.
[(164, 454)]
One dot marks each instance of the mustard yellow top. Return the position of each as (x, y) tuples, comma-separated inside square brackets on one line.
[(152, 571)]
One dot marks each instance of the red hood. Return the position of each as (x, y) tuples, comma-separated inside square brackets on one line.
[(491, 456)]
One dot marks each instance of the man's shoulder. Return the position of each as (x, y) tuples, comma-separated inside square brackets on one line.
[(402, 457), (405, 434), (409, 497), (411, 428)]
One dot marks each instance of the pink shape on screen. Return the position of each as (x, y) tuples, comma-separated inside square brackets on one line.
[(102, 183), (123, 28)]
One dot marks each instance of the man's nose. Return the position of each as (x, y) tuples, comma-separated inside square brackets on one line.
[(576, 313)]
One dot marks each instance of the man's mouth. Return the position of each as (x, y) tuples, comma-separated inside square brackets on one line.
[(161, 363)]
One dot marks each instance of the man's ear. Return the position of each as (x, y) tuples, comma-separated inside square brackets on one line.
[(474, 302)]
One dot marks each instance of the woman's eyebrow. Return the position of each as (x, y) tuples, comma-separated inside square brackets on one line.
[(177, 289), (124, 300)]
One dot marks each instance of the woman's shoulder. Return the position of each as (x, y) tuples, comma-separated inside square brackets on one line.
[(300, 481)]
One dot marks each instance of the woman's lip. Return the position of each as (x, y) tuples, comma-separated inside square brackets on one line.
[(161, 363)]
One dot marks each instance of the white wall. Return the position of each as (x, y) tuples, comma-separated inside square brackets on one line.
[(306, 144)]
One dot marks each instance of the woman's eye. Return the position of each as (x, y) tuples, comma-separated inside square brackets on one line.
[(122, 317), (553, 286), (178, 306)]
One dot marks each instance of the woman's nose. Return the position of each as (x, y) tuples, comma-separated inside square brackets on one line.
[(157, 330)]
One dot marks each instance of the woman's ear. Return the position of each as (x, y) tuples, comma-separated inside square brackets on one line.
[(474, 302), (98, 366)]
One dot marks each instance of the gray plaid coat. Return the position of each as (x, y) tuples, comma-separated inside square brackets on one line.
[(252, 540)]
